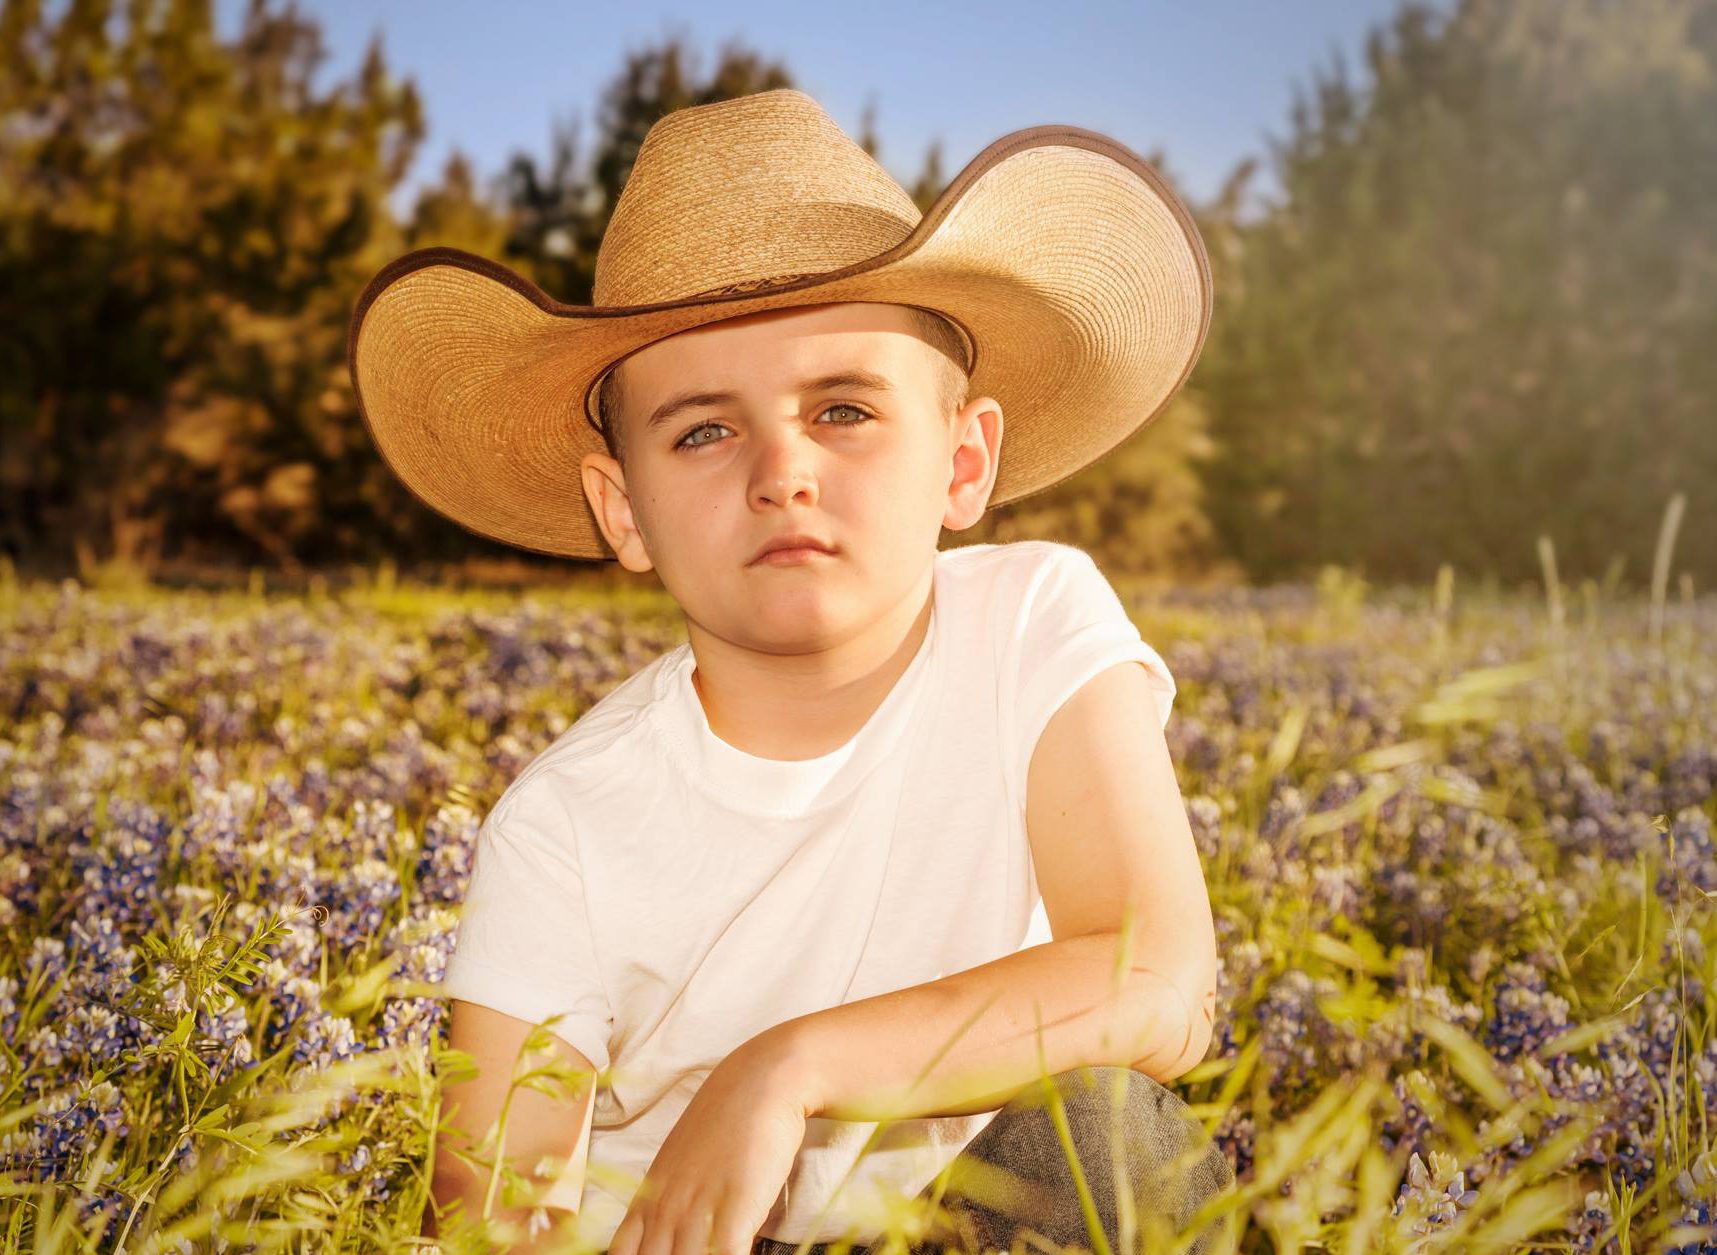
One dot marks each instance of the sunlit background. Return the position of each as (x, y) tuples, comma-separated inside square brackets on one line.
[(1464, 260)]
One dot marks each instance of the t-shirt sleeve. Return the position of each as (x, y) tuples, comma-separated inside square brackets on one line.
[(523, 945), (1070, 625)]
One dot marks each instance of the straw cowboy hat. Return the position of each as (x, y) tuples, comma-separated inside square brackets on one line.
[(1076, 276)]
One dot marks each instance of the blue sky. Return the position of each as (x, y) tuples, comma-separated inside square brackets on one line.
[(1203, 81)]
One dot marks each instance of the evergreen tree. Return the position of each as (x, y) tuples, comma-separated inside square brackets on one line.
[(559, 215), (1482, 308), (185, 222)]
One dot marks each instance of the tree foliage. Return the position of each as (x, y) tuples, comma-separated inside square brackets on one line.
[(1479, 309), (184, 225), (1483, 306), (557, 215)]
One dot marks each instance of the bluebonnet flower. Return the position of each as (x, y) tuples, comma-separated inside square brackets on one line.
[(1527, 1014), (225, 1044), (315, 784), (102, 1212), (1697, 1186), (444, 859), (1592, 1223), (1432, 1199), (414, 1023), (1337, 893), (69, 1122), (484, 701), (324, 1039), (1204, 813), (1237, 1135), (408, 762), (358, 898), (9, 1009), (1414, 1124), (104, 960), (100, 1034), (122, 876), (1690, 780), (371, 832), (1419, 901), (1192, 745), (1285, 806), (423, 941), (292, 996), (1238, 964), (220, 820), (355, 1161), (17, 894), (1694, 861), (1398, 1035), (1300, 1042), (46, 962), (282, 876)]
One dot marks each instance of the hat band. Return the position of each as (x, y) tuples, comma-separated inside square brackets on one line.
[(733, 289), (751, 285)]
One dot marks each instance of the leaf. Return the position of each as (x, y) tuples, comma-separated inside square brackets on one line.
[(1469, 1060), (363, 991), (182, 1030), (1579, 1037)]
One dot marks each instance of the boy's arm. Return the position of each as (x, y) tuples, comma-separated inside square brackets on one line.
[(1108, 832), (538, 1125)]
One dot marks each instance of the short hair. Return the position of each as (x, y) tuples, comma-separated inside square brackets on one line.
[(952, 384)]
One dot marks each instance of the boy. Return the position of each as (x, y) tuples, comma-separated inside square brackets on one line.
[(782, 884)]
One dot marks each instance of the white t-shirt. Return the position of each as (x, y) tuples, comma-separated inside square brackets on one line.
[(676, 896)]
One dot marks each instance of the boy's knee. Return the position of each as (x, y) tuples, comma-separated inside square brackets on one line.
[(1128, 1132), (1173, 1165), (1094, 1091)]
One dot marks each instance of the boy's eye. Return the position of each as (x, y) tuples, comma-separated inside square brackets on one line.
[(842, 405), (686, 441)]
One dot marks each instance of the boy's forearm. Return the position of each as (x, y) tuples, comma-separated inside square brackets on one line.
[(970, 1041)]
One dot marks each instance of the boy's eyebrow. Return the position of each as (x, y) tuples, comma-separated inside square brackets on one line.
[(865, 379)]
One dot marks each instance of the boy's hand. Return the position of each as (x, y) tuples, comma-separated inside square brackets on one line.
[(717, 1174)]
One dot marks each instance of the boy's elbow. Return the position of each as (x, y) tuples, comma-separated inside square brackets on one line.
[(1201, 1012), (457, 1192), (1193, 1024), (1198, 1046), (456, 1195)]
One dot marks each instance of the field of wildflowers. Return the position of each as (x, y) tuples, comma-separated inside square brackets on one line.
[(1460, 851)]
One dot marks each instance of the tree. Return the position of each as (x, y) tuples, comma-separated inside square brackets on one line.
[(1481, 308), (559, 215), (186, 223)]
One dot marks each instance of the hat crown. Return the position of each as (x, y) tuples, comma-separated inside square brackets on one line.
[(742, 193)]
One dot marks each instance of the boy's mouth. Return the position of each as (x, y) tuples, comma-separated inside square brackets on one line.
[(793, 547), (790, 557)]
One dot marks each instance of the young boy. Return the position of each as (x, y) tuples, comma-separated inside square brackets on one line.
[(824, 892)]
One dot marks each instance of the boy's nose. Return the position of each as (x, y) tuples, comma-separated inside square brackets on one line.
[(782, 472), (783, 488)]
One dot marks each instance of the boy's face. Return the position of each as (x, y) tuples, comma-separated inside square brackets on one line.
[(871, 468)]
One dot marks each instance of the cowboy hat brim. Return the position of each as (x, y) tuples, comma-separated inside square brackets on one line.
[(1077, 275)]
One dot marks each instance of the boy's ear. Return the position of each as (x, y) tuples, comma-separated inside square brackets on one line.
[(976, 438), (605, 488)]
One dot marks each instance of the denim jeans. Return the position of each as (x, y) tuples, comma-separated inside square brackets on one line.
[(1172, 1165)]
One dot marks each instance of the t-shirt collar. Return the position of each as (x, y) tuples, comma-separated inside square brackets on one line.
[(779, 787)]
